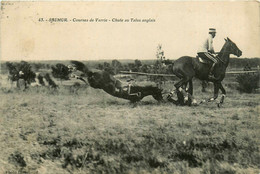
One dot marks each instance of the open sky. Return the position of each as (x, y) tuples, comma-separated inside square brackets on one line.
[(179, 26)]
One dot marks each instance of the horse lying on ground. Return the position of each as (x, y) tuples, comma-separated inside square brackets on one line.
[(187, 67), (103, 80)]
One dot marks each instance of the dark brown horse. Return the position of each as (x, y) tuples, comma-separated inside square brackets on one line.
[(187, 67), (104, 80)]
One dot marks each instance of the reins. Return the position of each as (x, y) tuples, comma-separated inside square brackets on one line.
[(220, 58)]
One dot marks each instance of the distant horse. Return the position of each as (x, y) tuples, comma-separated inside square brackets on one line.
[(103, 80), (21, 73), (187, 67), (12, 73)]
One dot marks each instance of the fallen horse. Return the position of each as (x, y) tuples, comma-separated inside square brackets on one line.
[(103, 80)]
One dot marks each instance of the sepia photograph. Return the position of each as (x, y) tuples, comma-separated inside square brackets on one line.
[(130, 87)]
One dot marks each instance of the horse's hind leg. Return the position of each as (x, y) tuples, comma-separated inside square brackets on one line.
[(179, 87)]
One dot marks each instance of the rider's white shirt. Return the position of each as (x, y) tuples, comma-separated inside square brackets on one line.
[(207, 45)]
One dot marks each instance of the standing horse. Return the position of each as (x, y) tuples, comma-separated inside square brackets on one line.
[(187, 67)]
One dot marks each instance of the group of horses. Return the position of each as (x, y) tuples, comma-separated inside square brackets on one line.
[(22, 74), (185, 68)]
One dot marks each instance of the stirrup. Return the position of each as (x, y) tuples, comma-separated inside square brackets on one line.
[(138, 94), (211, 76)]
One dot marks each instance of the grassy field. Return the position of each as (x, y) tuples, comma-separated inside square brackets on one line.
[(47, 131)]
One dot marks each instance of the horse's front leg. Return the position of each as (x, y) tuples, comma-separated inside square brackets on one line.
[(222, 96), (216, 90)]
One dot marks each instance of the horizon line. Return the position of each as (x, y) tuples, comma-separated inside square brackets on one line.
[(106, 59)]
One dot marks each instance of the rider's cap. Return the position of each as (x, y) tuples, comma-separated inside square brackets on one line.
[(212, 30)]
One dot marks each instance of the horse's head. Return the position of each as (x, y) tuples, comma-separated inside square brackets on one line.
[(232, 48)]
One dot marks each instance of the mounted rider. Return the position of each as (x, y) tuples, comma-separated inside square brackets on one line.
[(206, 50)]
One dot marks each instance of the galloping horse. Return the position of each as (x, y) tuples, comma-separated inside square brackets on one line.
[(187, 67)]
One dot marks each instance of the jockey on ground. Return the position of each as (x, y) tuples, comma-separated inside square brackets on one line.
[(206, 51)]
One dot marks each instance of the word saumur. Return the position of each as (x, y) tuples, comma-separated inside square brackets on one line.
[(52, 20)]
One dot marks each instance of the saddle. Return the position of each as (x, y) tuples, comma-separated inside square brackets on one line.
[(203, 60), (127, 88)]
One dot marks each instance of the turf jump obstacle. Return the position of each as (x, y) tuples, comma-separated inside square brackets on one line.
[(171, 75)]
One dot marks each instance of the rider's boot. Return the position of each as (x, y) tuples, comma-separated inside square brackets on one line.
[(211, 75)]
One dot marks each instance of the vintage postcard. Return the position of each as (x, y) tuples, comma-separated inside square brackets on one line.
[(129, 87)]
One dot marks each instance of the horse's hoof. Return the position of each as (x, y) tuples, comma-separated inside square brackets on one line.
[(169, 96), (211, 99), (202, 101), (194, 103), (219, 105), (134, 105)]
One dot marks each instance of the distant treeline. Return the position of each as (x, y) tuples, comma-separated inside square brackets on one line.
[(147, 66), (238, 63)]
